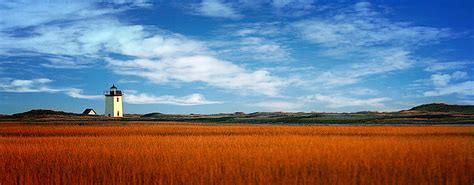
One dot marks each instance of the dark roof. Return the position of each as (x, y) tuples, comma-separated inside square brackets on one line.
[(87, 111), (113, 86)]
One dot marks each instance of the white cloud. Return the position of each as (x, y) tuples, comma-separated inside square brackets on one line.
[(66, 36), (253, 49), (293, 8), (126, 81), (25, 86), (381, 62), (30, 13), (258, 29), (440, 80), (201, 68), (459, 75), (434, 66), (281, 3), (143, 98), (216, 8), (161, 44), (159, 56), (364, 8), (361, 91), (40, 85), (65, 62), (373, 44), (263, 49), (362, 26), (250, 42), (77, 93), (443, 84), (92, 38), (279, 105), (464, 88), (339, 101), (329, 78)]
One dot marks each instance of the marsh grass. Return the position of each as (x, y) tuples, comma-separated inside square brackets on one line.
[(236, 154)]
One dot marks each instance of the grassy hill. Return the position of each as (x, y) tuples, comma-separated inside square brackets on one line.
[(43, 113), (435, 113), (441, 107), (423, 114)]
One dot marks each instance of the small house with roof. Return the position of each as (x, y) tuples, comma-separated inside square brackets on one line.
[(89, 112)]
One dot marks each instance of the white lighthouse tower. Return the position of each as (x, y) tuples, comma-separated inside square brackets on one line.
[(113, 102)]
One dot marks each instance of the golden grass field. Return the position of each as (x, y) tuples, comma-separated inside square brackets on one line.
[(179, 153)]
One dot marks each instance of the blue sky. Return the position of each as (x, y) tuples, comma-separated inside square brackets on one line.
[(216, 56)]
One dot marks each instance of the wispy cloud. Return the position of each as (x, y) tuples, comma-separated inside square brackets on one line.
[(262, 49), (279, 105), (340, 101), (447, 84), (67, 62), (257, 29), (158, 55), (40, 85), (78, 93), (440, 79), (375, 44), (253, 49), (216, 8), (464, 88), (382, 62), (252, 42), (144, 98), (24, 86), (126, 81), (22, 14), (293, 8), (202, 68), (361, 91), (437, 66), (361, 25)]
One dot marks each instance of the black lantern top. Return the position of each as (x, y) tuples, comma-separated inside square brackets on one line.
[(113, 91)]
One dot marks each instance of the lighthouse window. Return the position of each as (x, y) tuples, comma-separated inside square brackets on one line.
[(117, 99)]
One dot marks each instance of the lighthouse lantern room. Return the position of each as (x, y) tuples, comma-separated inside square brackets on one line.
[(113, 102)]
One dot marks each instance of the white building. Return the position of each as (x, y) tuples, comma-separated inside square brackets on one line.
[(113, 102)]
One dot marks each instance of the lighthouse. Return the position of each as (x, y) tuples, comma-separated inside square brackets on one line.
[(113, 102)]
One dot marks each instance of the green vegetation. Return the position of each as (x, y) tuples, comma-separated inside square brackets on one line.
[(43, 113), (424, 114), (441, 107), (322, 118)]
